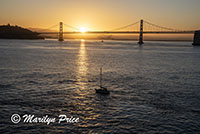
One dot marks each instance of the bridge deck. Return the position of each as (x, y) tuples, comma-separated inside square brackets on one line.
[(124, 32)]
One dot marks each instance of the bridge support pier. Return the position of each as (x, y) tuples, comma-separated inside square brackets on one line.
[(141, 33), (60, 34)]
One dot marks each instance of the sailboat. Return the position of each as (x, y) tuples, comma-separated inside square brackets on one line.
[(101, 89)]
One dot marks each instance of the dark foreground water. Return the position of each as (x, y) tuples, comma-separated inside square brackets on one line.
[(154, 88)]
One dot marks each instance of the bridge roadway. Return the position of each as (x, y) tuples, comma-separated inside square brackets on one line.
[(123, 32)]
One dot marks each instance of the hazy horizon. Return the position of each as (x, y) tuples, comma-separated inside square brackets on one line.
[(100, 15)]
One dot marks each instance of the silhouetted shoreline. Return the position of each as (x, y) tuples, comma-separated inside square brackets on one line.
[(16, 32)]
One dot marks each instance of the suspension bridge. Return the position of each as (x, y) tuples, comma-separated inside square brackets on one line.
[(140, 27)]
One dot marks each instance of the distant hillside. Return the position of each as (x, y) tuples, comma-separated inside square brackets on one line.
[(16, 32)]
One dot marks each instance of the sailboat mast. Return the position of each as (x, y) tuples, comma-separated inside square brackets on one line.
[(100, 77)]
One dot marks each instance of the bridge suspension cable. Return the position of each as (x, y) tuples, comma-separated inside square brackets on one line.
[(44, 30), (74, 28), (161, 27), (123, 27)]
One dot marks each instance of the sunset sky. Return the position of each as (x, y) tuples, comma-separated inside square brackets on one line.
[(100, 14)]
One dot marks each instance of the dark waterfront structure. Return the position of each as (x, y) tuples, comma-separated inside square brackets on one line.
[(196, 41)]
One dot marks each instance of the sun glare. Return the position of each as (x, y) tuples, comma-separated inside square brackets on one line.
[(83, 29)]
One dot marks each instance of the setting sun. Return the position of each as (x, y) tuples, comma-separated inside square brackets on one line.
[(83, 29)]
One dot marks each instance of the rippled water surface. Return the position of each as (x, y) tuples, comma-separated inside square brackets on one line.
[(154, 88)]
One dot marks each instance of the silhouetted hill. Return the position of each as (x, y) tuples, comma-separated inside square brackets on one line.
[(16, 32)]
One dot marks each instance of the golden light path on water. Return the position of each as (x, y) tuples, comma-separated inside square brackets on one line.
[(81, 76), (82, 91), (82, 63)]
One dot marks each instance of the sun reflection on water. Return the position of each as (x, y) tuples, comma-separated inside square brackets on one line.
[(82, 63), (87, 110)]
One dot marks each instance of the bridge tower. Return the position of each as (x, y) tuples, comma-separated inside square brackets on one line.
[(141, 33), (60, 34)]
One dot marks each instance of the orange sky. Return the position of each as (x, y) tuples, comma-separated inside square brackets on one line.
[(100, 14)]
